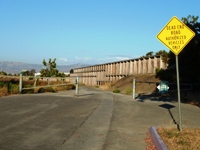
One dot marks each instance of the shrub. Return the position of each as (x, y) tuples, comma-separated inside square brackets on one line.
[(41, 90), (14, 88), (28, 91), (129, 91), (48, 89), (2, 84), (116, 91), (31, 78)]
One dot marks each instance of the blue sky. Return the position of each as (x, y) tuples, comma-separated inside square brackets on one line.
[(85, 31)]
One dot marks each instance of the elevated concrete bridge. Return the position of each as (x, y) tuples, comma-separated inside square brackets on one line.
[(110, 72)]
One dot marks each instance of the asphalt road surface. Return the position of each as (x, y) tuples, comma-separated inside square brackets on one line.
[(96, 120)]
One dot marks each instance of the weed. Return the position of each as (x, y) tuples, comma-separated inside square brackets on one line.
[(116, 91), (41, 90), (31, 78), (48, 89), (182, 142), (2, 84), (129, 91), (171, 134), (14, 89), (28, 91)]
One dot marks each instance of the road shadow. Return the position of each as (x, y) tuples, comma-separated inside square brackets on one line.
[(168, 107), (155, 97)]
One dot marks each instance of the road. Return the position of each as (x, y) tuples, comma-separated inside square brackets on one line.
[(96, 120)]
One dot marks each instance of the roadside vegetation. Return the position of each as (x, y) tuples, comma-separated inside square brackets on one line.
[(188, 139), (10, 86), (116, 91)]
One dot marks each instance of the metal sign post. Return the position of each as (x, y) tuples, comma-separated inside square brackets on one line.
[(77, 88), (133, 88), (179, 98), (20, 83), (176, 35)]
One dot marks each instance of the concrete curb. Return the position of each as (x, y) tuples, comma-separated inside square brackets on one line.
[(160, 145)]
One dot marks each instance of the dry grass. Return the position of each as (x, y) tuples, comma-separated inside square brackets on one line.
[(149, 142), (106, 86), (3, 91), (188, 139), (125, 85)]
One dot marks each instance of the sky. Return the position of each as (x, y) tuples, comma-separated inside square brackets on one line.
[(85, 31)]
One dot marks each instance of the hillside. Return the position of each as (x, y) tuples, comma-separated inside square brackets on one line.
[(125, 85)]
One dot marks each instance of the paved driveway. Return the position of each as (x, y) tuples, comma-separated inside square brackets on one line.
[(95, 120)]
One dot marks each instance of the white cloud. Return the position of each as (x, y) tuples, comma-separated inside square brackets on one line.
[(63, 59), (113, 58), (102, 60), (121, 58), (83, 58)]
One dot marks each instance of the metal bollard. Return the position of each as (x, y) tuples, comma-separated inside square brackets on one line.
[(20, 83), (77, 87), (133, 88)]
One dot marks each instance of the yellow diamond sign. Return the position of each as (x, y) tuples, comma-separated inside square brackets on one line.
[(175, 35)]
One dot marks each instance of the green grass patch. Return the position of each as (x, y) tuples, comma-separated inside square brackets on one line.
[(129, 91), (116, 91)]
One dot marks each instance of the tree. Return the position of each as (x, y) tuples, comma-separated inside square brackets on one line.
[(189, 57), (72, 71), (164, 54), (25, 72), (28, 73), (49, 69), (32, 72), (3, 73), (149, 54), (61, 75)]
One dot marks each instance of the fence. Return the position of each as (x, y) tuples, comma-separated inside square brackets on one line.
[(47, 82)]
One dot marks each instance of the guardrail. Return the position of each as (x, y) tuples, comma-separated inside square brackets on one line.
[(64, 81)]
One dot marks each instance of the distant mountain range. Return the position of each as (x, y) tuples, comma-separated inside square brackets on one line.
[(17, 67)]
